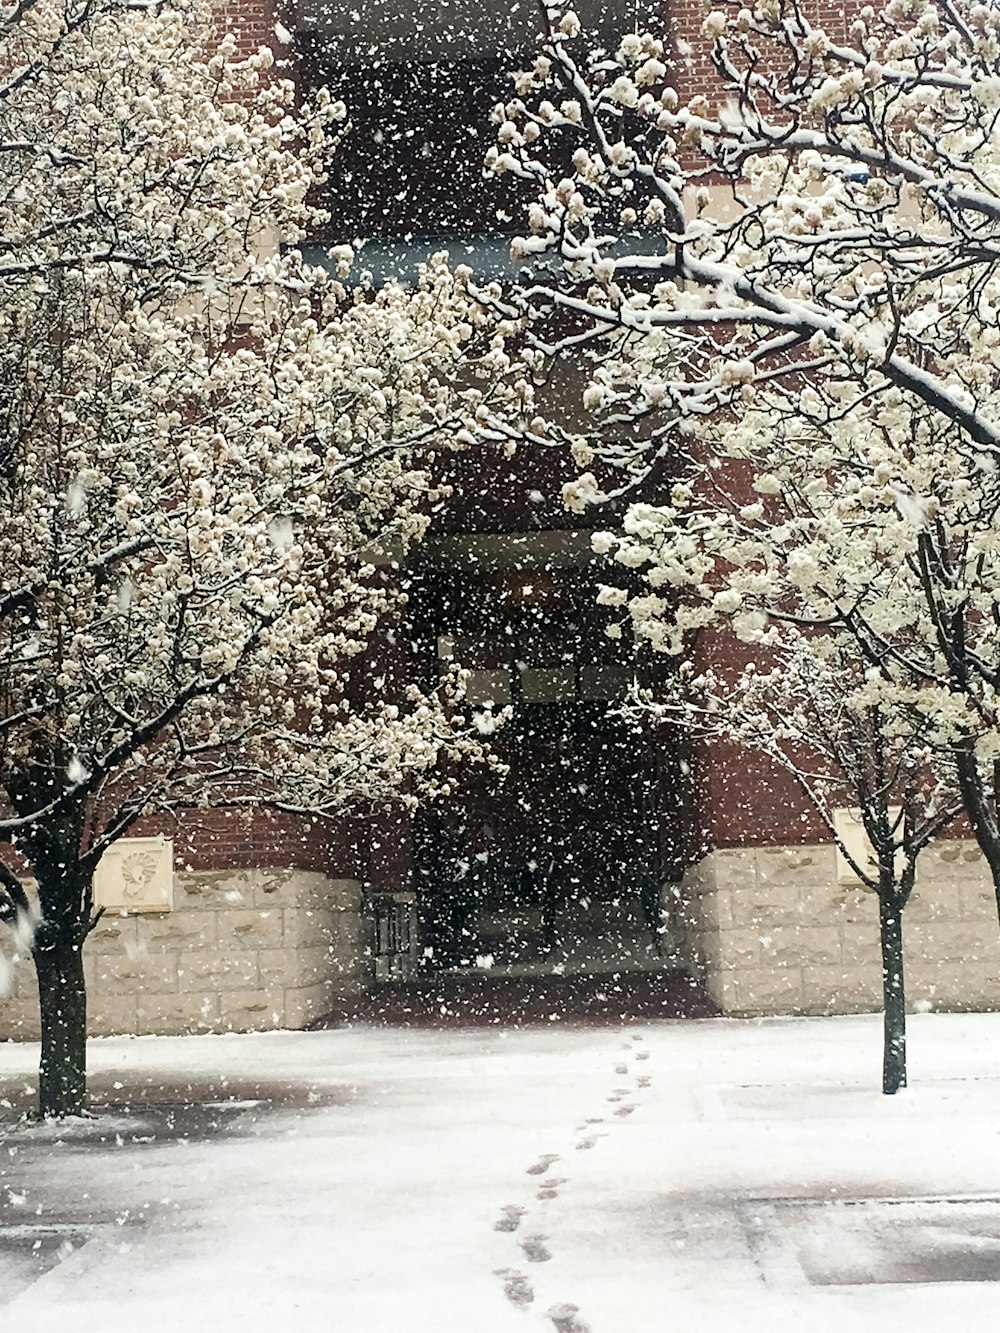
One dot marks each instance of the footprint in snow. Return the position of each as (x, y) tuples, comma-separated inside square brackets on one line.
[(543, 1164), (516, 1287), (566, 1319), (535, 1249), (550, 1190), (625, 1110), (588, 1142), (510, 1217)]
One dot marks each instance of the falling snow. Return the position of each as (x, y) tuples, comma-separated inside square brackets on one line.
[(500, 502)]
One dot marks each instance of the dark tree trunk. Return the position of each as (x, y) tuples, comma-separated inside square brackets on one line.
[(62, 996), (980, 807), (52, 845), (893, 996)]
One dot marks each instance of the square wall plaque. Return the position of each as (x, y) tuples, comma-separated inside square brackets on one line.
[(851, 832), (136, 875)]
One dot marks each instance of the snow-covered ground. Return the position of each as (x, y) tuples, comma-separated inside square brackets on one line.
[(714, 1175)]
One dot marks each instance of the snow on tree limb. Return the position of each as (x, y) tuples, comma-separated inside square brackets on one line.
[(912, 101)]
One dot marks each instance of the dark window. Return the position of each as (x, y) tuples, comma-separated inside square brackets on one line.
[(412, 161), (420, 79)]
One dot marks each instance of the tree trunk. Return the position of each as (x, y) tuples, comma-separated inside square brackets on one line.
[(62, 996), (981, 812), (893, 996)]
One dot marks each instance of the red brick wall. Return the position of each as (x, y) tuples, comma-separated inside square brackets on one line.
[(742, 797), (224, 839), (252, 22), (694, 69)]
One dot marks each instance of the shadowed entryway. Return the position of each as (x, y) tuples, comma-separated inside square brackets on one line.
[(483, 1000)]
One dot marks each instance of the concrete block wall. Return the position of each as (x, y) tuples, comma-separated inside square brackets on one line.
[(768, 930), (242, 950)]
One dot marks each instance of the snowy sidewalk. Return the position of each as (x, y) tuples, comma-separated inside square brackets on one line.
[(710, 1175)]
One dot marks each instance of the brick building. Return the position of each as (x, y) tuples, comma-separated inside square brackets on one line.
[(603, 848)]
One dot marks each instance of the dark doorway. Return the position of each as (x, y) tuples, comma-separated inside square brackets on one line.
[(556, 861)]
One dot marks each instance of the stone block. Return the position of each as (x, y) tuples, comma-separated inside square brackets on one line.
[(19, 1020), (860, 946), (306, 927), (350, 932), (349, 953), (25, 981), (954, 985), (788, 946), (152, 974), (274, 889), (708, 949), (299, 888), (303, 1004), (188, 1011), (180, 932), (245, 928), (721, 987), (117, 934), (333, 895), (112, 1015), (938, 941), (735, 948), (850, 989), (859, 909), (767, 905), (731, 868), (714, 910), (257, 1010), (768, 990), (209, 890), (233, 969), (825, 904), (952, 860), (287, 967), (933, 900), (977, 900), (796, 866)]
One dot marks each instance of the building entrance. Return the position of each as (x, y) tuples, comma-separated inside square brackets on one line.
[(556, 862), (555, 866)]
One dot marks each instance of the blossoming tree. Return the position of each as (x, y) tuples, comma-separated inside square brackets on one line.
[(798, 709), (787, 288), (203, 443)]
